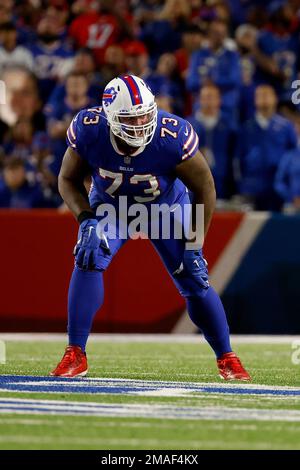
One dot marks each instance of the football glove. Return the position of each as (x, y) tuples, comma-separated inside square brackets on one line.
[(90, 246), (196, 266)]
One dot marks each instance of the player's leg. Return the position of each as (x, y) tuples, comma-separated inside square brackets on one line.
[(86, 294), (203, 303), (85, 297)]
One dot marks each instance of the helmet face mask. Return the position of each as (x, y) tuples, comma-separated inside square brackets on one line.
[(131, 117), (135, 128)]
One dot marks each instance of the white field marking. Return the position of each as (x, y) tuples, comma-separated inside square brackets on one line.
[(160, 411), (149, 338), (81, 382), (157, 385), (228, 261), (33, 422)]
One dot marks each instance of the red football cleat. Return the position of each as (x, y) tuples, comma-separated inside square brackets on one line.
[(73, 363), (231, 368)]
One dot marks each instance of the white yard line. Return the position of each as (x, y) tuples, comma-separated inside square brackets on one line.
[(149, 338), (138, 387), (44, 407)]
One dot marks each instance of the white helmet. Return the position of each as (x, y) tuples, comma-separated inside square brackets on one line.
[(130, 110)]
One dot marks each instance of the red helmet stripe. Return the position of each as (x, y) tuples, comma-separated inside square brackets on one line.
[(133, 88)]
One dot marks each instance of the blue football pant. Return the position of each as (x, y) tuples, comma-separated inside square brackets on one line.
[(204, 306)]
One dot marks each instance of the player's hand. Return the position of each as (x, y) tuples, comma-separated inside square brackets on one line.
[(90, 245), (196, 264)]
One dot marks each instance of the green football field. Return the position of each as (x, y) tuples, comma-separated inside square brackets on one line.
[(149, 395)]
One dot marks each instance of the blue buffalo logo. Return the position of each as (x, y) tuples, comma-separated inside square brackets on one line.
[(109, 96)]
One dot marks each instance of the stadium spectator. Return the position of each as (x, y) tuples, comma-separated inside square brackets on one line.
[(163, 34), (217, 139), (15, 189), (217, 63), (114, 64), (191, 40), (45, 168), (137, 63), (262, 142), (279, 42), (165, 102), (22, 98), (147, 10), (59, 119), (53, 59), (178, 47), (12, 54), (84, 64), (246, 39), (59, 11), (19, 138), (171, 83), (137, 58), (6, 11), (99, 26), (287, 181)]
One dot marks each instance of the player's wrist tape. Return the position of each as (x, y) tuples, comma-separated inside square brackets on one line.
[(84, 215)]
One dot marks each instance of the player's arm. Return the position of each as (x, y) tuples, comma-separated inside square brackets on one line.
[(196, 175), (71, 183)]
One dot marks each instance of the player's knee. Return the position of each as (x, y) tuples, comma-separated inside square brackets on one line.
[(189, 285), (101, 264)]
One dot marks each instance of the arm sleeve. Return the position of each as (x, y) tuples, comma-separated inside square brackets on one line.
[(188, 141), (74, 135)]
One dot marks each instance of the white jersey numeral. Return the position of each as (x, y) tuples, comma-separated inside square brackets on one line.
[(164, 130), (117, 180), (154, 187), (98, 35)]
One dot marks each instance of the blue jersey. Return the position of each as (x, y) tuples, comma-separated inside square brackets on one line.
[(218, 145), (284, 51), (222, 68), (260, 151), (49, 64), (148, 176)]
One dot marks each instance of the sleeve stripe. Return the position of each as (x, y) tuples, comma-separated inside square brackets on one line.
[(189, 139), (70, 139), (191, 144), (72, 131), (188, 154)]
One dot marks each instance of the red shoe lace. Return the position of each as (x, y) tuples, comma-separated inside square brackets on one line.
[(234, 361), (68, 357)]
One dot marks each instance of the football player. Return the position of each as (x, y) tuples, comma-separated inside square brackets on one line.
[(133, 149)]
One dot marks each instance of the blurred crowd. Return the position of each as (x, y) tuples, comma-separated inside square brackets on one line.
[(228, 66)]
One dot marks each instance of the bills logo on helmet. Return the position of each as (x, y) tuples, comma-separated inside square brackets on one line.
[(109, 96)]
